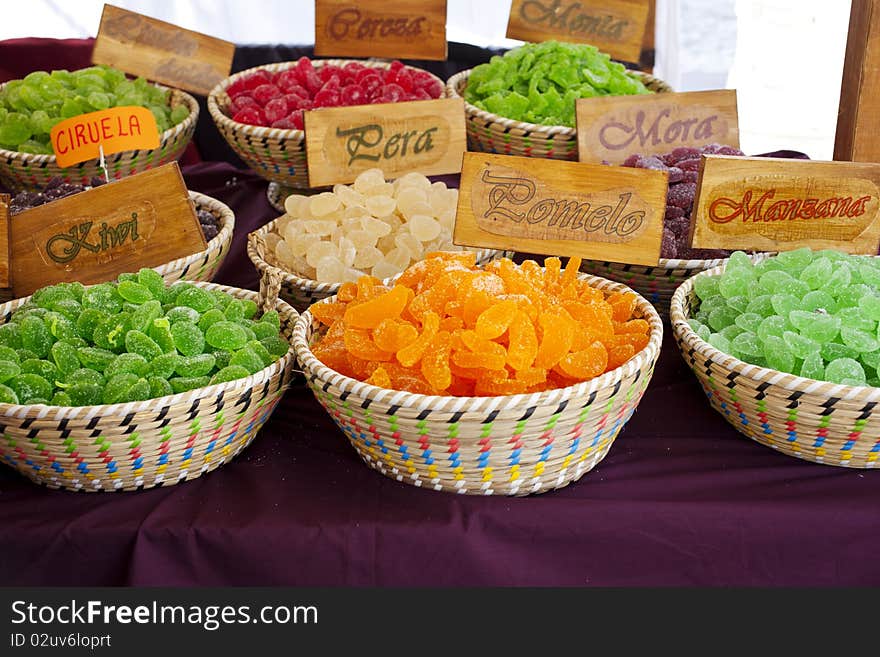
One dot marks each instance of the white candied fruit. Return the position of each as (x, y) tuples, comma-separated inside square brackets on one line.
[(384, 269), (371, 227), (379, 206), (368, 178), (320, 250), (324, 204), (293, 203), (423, 227)]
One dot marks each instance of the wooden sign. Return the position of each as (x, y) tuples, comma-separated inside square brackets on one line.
[(775, 204), (614, 26), (857, 136), (611, 128), (405, 29), (114, 130), (143, 220), (563, 208), (427, 136), (161, 51), (4, 241)]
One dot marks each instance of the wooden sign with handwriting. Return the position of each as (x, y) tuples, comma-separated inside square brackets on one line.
[(4, 241), (406, 29), (614, 26), (427, 136), (116, 129), (160, 51), (611, 128), (143, 220), (775, 204), (562, 208)]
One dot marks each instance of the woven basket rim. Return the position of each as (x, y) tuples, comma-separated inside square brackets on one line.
[(675, 263), (122, 409), (309, 284), (458, 80), (403, 399), (260, 132), (35, 159), (686, 335), (223, 236)]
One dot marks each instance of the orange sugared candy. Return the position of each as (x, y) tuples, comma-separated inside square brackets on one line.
[(448, 327)]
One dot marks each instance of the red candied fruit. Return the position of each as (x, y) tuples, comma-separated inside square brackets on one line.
[(284, 124), (251, 115), (279, 99), (276, 109), (266, 92), (241, 101)]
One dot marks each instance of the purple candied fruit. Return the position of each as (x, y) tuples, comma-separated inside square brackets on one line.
[(682, 196), (668, 245), (652, 163), (730, 150), (690, 177), (684, 153), (691, 164), (675, 175), (632, 160), (674, 212)]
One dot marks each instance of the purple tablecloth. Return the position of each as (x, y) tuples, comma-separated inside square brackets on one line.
[(681, 499)]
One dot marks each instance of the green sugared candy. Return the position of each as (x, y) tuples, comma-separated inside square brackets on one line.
[(226, 335), (188, 339), (814, 314), (539, 82), (132, 340)]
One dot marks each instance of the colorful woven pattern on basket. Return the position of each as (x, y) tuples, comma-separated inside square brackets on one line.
[(22, 171), (508, 445), (157, 442), (493, 455), (813, 420)]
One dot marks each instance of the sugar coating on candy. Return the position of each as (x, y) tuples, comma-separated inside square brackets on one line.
[(810, 313), (371, 227), (539, 82), (278, 99), (137, 343), (449, 327)]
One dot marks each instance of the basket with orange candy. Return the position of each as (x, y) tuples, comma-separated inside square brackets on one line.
[(500, 378)]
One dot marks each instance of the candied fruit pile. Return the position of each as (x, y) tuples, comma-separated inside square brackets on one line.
[(30, 107), (134, 340), (810, 313), (372, 227), (279, 99), (683, 166), (448, 327), (539, 82)]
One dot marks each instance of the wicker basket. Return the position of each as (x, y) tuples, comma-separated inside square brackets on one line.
[(656, 284), (275, 154), (509, 445), (24, 171), (303, 292), (812, 420), (490, 133), (135, 445), (203, 265)]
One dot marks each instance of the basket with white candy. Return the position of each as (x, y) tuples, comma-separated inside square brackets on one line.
[(373, 227)]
